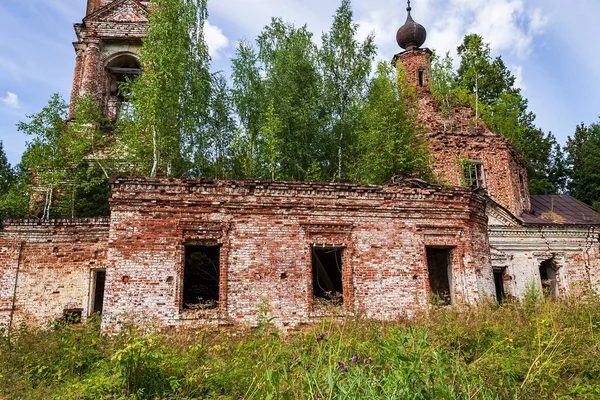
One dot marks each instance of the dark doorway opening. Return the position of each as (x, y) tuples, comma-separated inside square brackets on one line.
[(499, 283), (327, 274), (438, 267), (548, 277), (201, 277), (99, 282)]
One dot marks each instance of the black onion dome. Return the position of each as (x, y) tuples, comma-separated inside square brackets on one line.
[(411, 35)]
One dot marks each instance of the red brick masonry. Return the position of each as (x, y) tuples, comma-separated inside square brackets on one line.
[(266, 230)]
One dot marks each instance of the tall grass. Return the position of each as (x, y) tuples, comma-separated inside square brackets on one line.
[(532, 350)]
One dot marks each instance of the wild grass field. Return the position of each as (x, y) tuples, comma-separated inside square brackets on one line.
[(535, 349)]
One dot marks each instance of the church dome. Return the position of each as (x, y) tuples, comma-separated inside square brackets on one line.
[(411, 35)]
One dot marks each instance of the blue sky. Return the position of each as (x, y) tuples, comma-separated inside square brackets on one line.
[(552, 46)]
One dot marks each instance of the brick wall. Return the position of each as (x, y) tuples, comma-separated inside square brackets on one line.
[(266, 230), (51, 265)]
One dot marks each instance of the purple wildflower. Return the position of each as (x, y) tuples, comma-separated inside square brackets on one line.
[(354, 358), (321, 336), (367, 360)]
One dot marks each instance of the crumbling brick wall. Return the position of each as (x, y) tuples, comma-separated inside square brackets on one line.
[(45, 267), (459, 138), (266, 230)]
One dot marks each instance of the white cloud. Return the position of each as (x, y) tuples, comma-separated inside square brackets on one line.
[(538, 21), (11, 100), (517, 71), (508, 25), (215, 40)]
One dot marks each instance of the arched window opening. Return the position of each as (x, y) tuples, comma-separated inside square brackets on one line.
[(121, 69)]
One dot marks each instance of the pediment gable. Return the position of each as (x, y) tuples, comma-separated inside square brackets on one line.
[(499, 216), (124, 11)]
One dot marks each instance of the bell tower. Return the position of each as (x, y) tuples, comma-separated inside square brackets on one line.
[(108, 43)]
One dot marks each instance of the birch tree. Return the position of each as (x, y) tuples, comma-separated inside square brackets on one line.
[(171, 96), (389, 142), (442, 85), (345, 64)]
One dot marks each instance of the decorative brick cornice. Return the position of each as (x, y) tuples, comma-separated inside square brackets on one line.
[(144, 189), (543, 232)]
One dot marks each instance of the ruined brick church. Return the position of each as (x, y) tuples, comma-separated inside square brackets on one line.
[(187, 253)]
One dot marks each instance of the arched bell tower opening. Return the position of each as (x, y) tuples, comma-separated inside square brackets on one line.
[(120, 69), (109, 40)]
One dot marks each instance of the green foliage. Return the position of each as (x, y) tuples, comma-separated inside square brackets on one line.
[(14, 203), (14, 196), (539, 349), (479, 73), (7, 175), (491, 91), (292, 86), (583, 158), (345, 64), (312, 114), (443, 87), (68, 164), (276, 93), (389, 143), (170, 99), (47, 154)]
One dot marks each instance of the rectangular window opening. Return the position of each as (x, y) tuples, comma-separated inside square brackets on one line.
[(473, 175), (548, 278), (201, 277), (327, 274), (439, 269), (421, 77), (499, 284), (73, 316), (99, 280)]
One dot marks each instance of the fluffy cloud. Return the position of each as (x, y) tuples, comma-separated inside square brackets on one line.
[(215, 40), (11, 100), (508, 25)]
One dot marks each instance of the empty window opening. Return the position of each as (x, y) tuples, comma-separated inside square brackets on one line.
[(439, 270), (523, 191), (121, 70), (201, 277), (548, 277), (99, 280), (72, 316), (327, 274), (499, 284), (421, 75), (473, 175), (522, 181)]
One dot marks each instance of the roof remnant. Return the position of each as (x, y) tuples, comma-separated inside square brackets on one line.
[(560, 210)]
